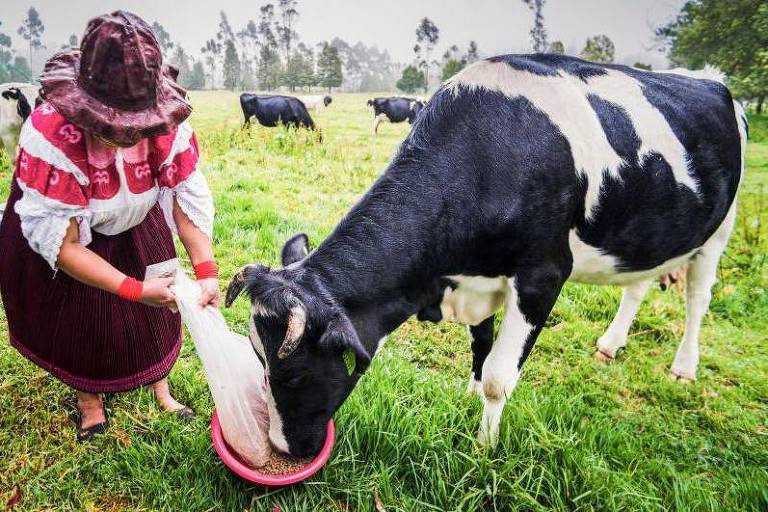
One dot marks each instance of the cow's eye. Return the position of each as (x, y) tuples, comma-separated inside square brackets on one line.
[(295, 382)]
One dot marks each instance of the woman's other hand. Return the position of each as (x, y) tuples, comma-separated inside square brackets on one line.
[(210, 294), (156, 292)]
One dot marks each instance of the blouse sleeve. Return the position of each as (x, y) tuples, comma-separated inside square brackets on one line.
[(51, 197), (180, 178)]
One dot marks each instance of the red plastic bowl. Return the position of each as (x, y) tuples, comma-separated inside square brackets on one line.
[(232, 460)]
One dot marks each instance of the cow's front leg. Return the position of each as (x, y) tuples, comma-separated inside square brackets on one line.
[(529, 299), (482, 340)]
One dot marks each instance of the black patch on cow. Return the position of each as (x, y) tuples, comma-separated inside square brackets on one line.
[(551, 65), (22, 104), (618, 128)]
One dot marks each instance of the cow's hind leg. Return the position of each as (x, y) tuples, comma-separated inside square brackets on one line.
[(529, 299), (701, 276), (482, 341), (615, 337)]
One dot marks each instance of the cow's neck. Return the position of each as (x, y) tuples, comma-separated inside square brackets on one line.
[(379, 262)]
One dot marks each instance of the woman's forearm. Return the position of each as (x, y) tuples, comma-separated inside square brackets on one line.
[(86, 266), (197, 243)]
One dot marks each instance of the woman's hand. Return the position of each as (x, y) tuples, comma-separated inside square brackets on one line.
[(210, 294), (156, 292)]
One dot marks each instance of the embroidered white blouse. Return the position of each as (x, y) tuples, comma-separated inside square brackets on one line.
[(66, 173)]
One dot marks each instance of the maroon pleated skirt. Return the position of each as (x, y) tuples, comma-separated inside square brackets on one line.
[(90, 339)]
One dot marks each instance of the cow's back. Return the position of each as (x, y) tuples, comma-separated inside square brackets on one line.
[(640, 166)]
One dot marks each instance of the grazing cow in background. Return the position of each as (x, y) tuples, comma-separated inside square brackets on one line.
[(271, 110), (16, 100), (394, 109), (521, 173), (316, 103)]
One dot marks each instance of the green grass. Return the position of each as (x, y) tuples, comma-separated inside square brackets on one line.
[(576, 435)]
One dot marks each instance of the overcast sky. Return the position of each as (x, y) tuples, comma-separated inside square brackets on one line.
[(498, 26)]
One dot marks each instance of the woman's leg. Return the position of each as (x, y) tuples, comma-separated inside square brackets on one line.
[(91, 409), (164, 398)]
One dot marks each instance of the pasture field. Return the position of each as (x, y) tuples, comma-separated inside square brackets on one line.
[(576, 435)]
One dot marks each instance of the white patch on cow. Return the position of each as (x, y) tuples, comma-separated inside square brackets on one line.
[(474, 299), (593, 266), (564, 99), (500, 370), (253, 334), (653, 130), (706, 73), (276, 436)]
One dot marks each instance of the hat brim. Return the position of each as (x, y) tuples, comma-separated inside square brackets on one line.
[(124, 127)]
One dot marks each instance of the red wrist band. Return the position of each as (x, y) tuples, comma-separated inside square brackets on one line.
[(130, 289), (206, 270)]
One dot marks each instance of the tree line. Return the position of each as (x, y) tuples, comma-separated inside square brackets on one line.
[(418, 75)]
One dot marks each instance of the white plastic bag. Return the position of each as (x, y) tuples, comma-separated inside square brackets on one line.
[(235, 375)]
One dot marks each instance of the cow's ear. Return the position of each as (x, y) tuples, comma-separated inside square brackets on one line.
[(11, 94), (341, 337), (295, 249)]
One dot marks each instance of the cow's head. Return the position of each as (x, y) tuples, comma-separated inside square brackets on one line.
[(370, 103), (311, 352), (22, 104), (327, 100)]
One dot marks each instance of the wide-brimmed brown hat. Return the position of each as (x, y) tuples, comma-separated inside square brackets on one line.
[(116, 85)]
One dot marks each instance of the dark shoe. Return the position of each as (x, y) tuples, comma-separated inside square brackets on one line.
[(85, 435), (185, 413)]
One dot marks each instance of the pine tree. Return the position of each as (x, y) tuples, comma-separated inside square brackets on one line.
[(472, 54), (163, 37), (285, 31), (538, 32), (212, 51), (72, 42), (197, 77), (247, 81), (329, 71), (180, 61), (31, 30), (427, 36), (231, 66), (268, 72), (5, 57)]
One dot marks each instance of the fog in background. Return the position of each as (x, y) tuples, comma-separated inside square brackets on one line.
[(497, 26)]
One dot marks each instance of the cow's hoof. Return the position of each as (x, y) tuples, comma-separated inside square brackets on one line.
[(681, 377), (487, 439), (602, 356), (474, 387)]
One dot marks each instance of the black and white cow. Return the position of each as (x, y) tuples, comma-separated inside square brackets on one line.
[(16, 100), (521, 173), (271, 110), (394, 109)]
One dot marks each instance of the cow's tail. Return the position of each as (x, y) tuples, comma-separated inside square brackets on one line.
[(743, 125)]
